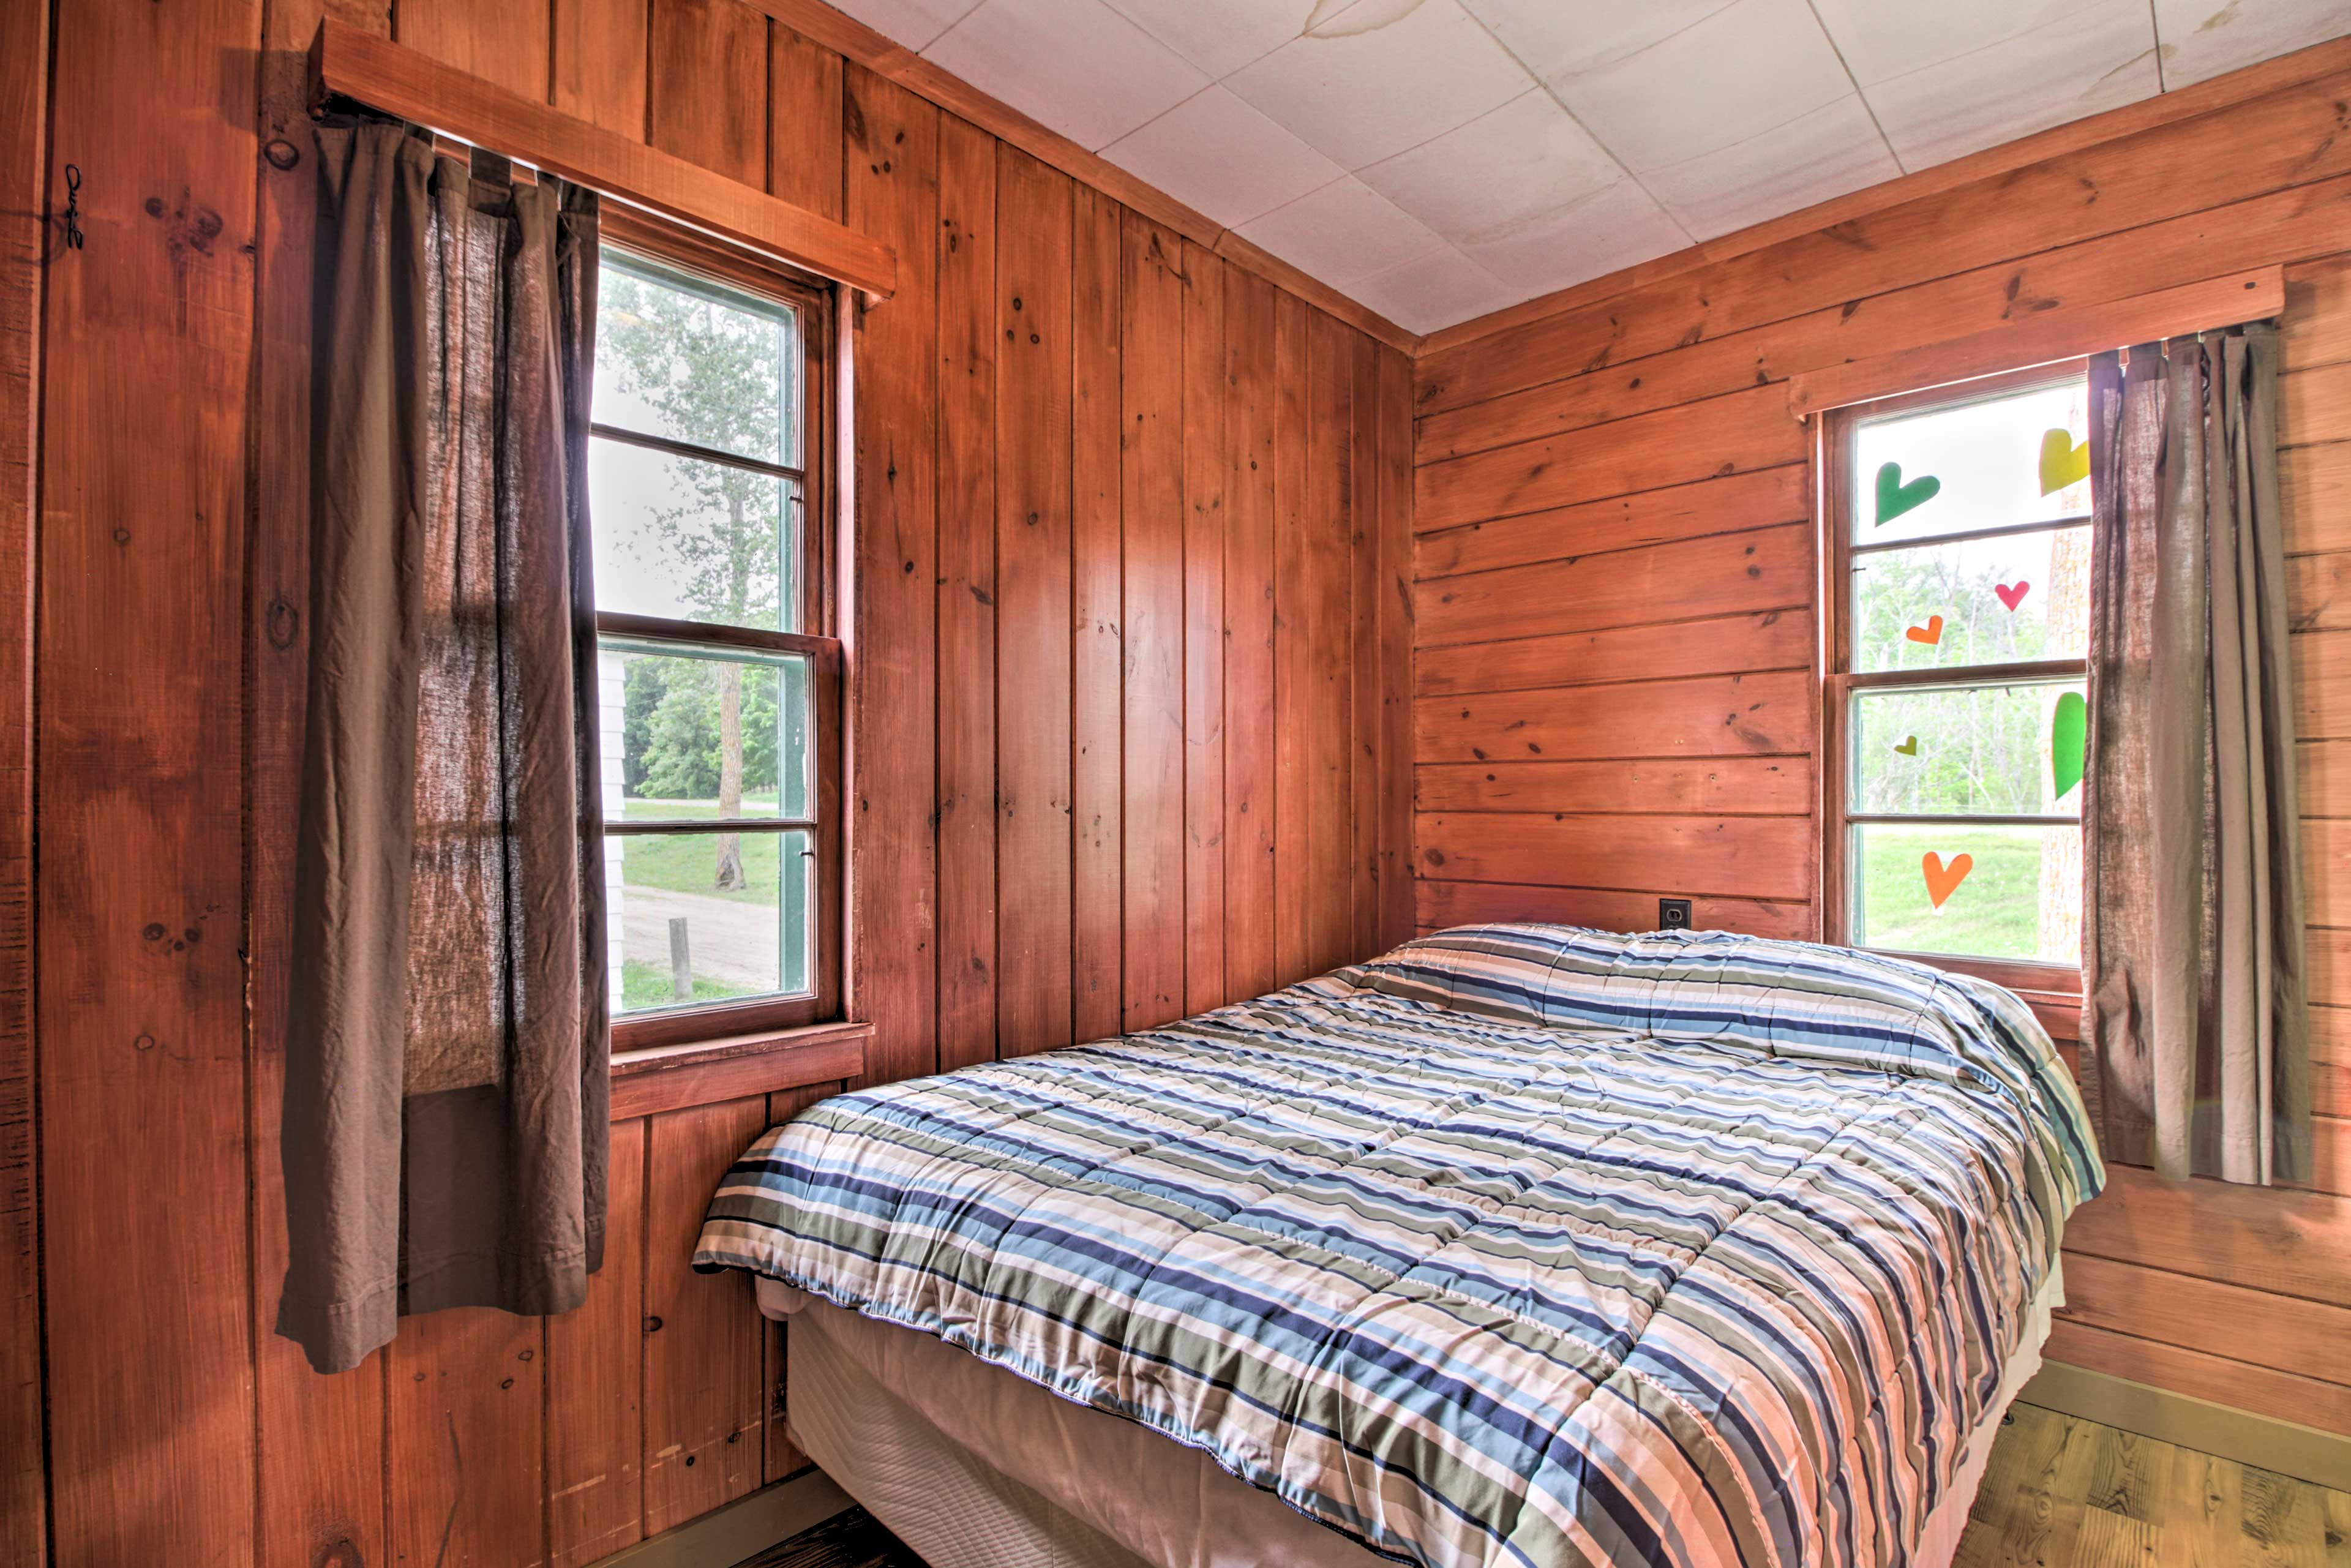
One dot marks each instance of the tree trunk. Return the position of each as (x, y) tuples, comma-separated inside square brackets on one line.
[(730, 773)]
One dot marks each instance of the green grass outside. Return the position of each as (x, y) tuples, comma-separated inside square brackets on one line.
[(1994, 913), (647, 986), (688, 862)]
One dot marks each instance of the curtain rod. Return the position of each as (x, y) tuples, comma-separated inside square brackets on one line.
[(349, 62)]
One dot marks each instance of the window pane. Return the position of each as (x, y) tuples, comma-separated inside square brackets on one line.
[(1983, 460), (1974, 751), (698, 918), (690, 540), (692, 361), (2008, 892), (1976, 601), (689, 734)]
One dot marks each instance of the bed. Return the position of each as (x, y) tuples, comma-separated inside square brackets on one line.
[(1520, 1244)]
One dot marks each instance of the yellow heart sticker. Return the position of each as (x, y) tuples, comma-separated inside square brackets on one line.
[(2061, 461)]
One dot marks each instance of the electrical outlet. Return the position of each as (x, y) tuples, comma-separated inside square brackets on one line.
[(1673, 915)]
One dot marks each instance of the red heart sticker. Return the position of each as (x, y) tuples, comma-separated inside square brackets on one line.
[(2012, 595)]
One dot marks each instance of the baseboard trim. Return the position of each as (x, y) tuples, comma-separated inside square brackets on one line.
[(744, 1528), (2184, 1421)]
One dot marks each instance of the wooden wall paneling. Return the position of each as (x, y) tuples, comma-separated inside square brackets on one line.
[(707, 98), (2240, 1385), (1034, 648), (1735, 857), (704, 1410), (24, 244), (1770, 569), (1737, 502), (1204, 481), (1717, 716), (2315, 406), (1393, 578), (2316, 326), (1766, 640), (1097, 585), (804, 133), (595, 1380), (506, 42), (1440, 902), (2283, 1332), (1249, 438), (1720, 435), (1911, 310), (782, 1457), (139, 903), (464, 1452), (1714, 786), (2288, 139), (1293, 695), (966, 809), (603, 55), (1151, 469), (893, 141), (320, 1447), (1365, 467), (1329, 905)]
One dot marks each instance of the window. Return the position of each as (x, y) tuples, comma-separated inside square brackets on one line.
[(1959, 554), (720, 679)]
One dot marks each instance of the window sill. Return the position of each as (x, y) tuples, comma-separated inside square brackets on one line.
[(670, 1078), (2053, 991)]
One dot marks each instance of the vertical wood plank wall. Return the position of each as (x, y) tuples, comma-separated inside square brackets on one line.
[(1614, 579), (1098, 549)]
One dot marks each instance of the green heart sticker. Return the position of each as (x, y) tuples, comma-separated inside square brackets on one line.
[(1908, 747), (2069, 736), (1895, 498)]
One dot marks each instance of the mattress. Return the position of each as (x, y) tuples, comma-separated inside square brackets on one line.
[(974, 1468), (1520, 1244)]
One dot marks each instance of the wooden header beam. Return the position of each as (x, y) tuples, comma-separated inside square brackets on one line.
[(346, 62), (2045, 339)]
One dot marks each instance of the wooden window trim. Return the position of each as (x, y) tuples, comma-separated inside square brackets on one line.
[(729, 1033), (2049, 988)]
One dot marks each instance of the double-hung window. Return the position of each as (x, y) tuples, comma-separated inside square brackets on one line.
[(1959, 567), (720, 675)]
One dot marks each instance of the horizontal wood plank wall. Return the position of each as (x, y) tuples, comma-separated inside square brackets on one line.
[(1615, 651), (1002, 842)]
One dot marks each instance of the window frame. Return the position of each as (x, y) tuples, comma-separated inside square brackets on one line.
[(1834, 455), (680, 249)]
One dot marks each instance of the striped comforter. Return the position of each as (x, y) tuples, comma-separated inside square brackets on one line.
[(1520, 1244)]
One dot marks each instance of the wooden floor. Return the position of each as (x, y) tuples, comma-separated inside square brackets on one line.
[(2059, 1493)]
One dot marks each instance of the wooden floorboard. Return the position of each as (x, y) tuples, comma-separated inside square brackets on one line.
[(2058, 1492)]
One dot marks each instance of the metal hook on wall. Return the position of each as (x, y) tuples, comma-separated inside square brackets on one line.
[(73, 206)]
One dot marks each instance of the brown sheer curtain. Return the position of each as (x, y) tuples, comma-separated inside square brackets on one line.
[(445, 1088), (2196, 1055)]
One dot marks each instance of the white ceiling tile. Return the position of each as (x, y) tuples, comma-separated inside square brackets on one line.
[(1559, 39), (1607, 229), (1217, 155), (1743, 70), (1220, 37), (1522, 161), (1342, 231), (2202, 38), (1433, 292), (1364, 95), (1883, 38), (2096, 57), (914, 23), (1826, 154), (1076, 65)]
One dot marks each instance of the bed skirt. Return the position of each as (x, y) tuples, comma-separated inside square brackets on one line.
[(974, 1468)]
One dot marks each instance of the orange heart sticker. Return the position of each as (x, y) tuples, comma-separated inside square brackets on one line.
[(1930, 633), (1942, 881)]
